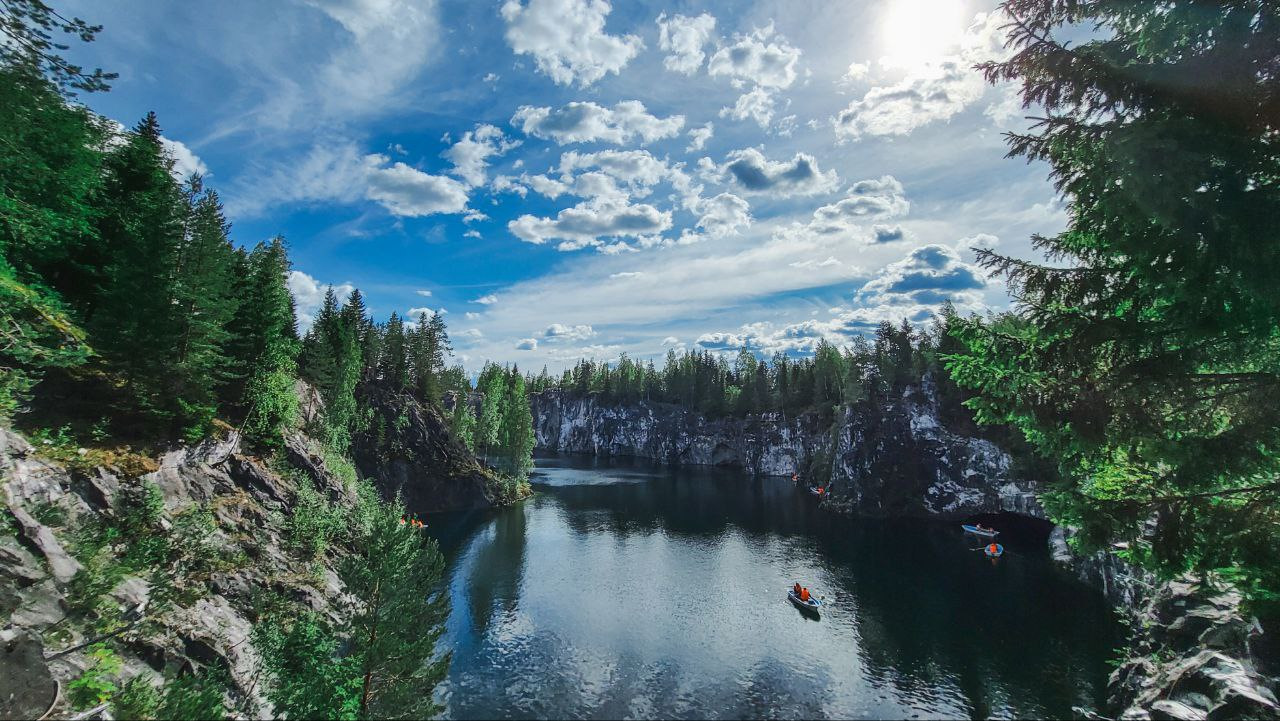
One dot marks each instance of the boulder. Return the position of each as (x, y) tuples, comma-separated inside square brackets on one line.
[(27, 686)]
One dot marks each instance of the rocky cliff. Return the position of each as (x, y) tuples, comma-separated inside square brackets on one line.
[(52, 589), (221, 538), (407, 448), (896, 459)]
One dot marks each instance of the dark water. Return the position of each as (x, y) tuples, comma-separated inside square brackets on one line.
[(630, 590)]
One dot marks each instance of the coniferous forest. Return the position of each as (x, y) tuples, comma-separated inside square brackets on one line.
[(1135, 371), (133, 321)]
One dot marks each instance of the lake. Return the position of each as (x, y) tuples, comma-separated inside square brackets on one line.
[(633, 590)]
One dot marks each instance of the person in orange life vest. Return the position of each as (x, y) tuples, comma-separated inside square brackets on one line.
[(796, 589), (804, 595), (993, 548)]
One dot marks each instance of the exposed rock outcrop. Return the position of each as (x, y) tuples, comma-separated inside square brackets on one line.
[(902, 460), (768, 444), (895, 460), (1194, 658), (249, 502), (406, 448), (47, 627)]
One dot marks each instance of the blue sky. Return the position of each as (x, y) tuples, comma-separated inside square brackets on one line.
[(567, 178)]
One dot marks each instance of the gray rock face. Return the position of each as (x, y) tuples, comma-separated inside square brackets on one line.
[(897, 460), (1193, 659), (902, 460), (769, 444), (249, 501), (407, 448), (1123, 585), (27, 687)]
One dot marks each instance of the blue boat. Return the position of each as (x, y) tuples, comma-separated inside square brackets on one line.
[(984, 532), (813, 605), (996, 553)]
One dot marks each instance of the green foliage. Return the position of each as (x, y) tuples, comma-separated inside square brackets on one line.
[(200, 695), (177, 558), (29, 27), (266, 348), (306, 676), (138, 699), (380, 660), (462, 421), (1145, 359), (97, 683), (492, 387), (340, 466), (706, 382), (515, 429), (35, 334), (312, 522)]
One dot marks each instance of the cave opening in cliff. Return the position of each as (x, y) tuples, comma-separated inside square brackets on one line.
[(1016, 527)]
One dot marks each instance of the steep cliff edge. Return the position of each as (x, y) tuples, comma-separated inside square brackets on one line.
[(896, 459), (222, 514), (173, 558), (407, 448)]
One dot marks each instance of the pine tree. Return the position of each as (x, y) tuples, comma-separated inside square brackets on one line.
[(515, 428), (203, 296), (1145, 360), (135, 324), (379, 660), (271, 344)]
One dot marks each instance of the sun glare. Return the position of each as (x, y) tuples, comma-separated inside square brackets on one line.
[(917, 33)]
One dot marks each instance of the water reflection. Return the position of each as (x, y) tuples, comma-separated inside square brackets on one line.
[(627, 590)]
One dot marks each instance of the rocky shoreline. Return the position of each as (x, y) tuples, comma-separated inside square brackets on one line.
[(899, 460), (1193, 653)]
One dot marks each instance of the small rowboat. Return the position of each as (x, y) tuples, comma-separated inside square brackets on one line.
[(996, 553), (813, 605), (984, 532)]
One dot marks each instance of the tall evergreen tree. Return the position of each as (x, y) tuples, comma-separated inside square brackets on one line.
[(379, 660), (515, 428), (492, 387), (205, 302), (134, 323), (394, 358), (1145, 360), (271, 344)]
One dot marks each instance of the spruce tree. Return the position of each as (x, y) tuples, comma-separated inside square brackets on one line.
[(394, 359), (272, 346), (318, 361), (1144, 360), (204, 298), (134, 322)]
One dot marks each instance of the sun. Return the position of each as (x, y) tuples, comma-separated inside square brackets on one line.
[(919, 33)]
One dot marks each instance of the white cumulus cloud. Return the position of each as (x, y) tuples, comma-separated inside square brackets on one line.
[(567, 39), (751, 171), (761, 57), (585, 122), (471, 153), (683, 38)]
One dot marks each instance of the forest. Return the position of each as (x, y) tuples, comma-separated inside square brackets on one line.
[(130, 321), (871, 369), (1138, 361)]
